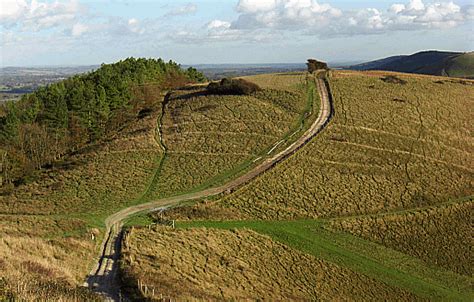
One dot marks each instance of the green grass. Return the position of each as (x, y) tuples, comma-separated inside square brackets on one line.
[(373, 260), (462, 66)]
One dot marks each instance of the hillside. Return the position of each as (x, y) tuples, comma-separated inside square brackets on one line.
[(453, 64), (249, 266), (59, 209), (356, 209), (375, 192)]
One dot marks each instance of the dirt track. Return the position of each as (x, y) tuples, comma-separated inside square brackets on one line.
[(103, 279)]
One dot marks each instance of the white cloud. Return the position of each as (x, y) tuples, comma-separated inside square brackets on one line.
[(12, 9), (79, 29), (314, 18), (284, 14), (252, 6), (187, 9), (214, 24), (36, 15)]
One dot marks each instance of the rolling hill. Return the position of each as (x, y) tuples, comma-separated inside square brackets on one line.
[(453, 64), (375, 206)]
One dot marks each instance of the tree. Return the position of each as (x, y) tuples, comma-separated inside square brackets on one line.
[(314, 65)]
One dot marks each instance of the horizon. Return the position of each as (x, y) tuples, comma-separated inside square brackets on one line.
[(338, 62), (89, 32)]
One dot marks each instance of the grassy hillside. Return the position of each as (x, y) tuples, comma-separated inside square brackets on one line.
[(384, 175), (188, 142), (211, 137), (60, 180), (437, 235), (51, 227), (441, 63), (211, 264), (461, 66), (389, 147)]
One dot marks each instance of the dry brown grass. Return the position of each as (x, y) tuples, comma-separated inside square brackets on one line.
[(207, 136), (389, 147), (95, 180), (438, 235), (46, 225), (242, 265), (40, 269)]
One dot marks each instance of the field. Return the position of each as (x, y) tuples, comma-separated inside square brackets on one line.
[(59, 211), (210, 264), (389, 147), (369, 209)]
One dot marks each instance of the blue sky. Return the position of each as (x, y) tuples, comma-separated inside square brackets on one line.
[(81, 32)]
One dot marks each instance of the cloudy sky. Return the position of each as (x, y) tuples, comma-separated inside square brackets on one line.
[(80, 32)]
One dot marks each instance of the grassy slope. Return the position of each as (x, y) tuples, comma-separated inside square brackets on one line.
[(63, 207), (418, 148), (437, 235), (48, 224), (391, 267), (212, 264), (461, 66), (388, 147)]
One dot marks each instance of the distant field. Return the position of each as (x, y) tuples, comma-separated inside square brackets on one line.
[(212, 264), (390, 146)]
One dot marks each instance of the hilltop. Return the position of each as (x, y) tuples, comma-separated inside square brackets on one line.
[(440, 63)]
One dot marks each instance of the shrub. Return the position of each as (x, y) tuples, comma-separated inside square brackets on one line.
[(393, 80), (233, 86), (314, 65)]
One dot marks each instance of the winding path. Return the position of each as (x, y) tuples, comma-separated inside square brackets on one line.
[(103, 278)]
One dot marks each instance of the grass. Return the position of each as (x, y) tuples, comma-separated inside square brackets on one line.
[(63, 206), (461, 66), (436, 235), (51, 226), (375, 261), (389, 147), (210, 139), (210, 264)]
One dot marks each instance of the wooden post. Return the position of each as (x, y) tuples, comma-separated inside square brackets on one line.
[(173, 224)]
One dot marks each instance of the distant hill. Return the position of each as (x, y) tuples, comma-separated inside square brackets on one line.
[(453, 64)]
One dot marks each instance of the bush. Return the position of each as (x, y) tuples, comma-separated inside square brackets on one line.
[(314, 65), (233, 86), (393, 80)]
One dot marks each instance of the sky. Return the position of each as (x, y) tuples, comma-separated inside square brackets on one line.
[(87, 32)]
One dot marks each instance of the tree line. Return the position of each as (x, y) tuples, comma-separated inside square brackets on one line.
[(64, 116)]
